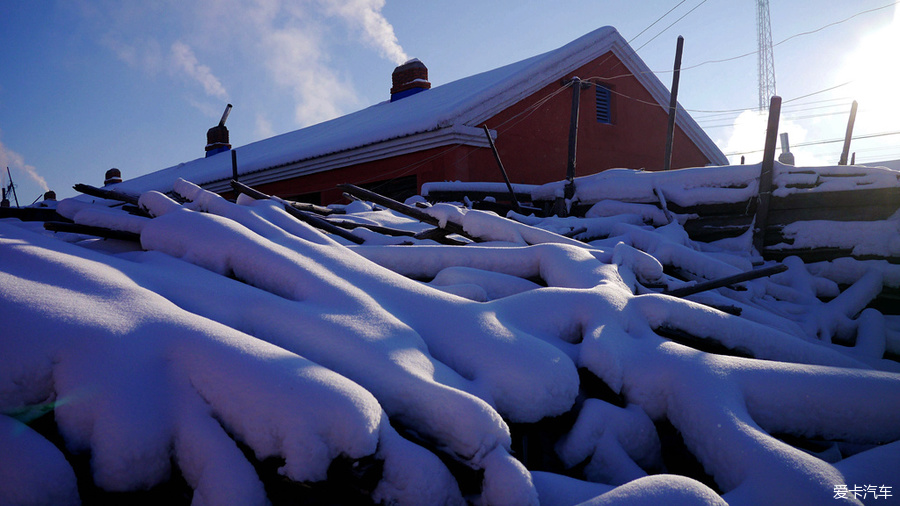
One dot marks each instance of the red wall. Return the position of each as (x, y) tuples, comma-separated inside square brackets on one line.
[(535, 149), (534, 146)]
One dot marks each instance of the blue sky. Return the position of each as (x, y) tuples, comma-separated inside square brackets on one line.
[(86, 85)]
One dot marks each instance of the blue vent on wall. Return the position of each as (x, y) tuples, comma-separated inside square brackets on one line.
[(604, 104)]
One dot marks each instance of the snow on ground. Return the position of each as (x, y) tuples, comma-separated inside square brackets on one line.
[(234, 334)]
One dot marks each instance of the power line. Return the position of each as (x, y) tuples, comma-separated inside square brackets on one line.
[(670, 26), (790, 115), (817, 143), (657, 21), (797, 118), (839, 22), (817, 92), (798, 107), (796, 35)]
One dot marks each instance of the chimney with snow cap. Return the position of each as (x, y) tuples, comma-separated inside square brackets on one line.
[(112, 176), (409, 79)]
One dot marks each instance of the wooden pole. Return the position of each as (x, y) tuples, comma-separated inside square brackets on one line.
[(730, 280), (512, 194), (107, 194), (766, 174), (234, 171), (673, 104), (303, 216), (845, 153), (573, 138), (12, 187)]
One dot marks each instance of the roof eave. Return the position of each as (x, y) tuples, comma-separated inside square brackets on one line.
[(450, 136)]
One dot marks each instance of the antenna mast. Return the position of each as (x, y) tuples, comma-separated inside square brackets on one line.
[(766, 56), (9, 189)]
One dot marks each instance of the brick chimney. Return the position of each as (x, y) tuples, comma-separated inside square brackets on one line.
[(112, 176), (409, 79)]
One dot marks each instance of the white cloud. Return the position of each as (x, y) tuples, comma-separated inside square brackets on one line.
[(290, 47), (748, 136), (184, 60), (144, 54)]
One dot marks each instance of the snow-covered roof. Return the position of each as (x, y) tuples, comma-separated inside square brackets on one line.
[(446, 114)]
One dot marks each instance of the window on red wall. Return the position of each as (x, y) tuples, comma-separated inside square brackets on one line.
[(603, 104)]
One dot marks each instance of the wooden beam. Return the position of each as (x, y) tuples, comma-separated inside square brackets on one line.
[(103, 193), (512, 194), (308, 218), (730, 280), (402, 208)]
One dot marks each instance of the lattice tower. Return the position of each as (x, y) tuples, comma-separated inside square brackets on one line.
[(766, 58)]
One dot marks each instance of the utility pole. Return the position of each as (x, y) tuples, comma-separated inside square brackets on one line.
[(849, 135), (673, 104)]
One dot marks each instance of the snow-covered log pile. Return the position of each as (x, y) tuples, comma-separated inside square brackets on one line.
[(529, 368), (818, 213)]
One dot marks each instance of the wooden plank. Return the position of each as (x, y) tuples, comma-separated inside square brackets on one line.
[(402, 208), (858, 197), (808, 255), (31, 213), (855, 213), (745, 207)]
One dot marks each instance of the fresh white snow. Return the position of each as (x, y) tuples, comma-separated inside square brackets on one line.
[(234, 325)]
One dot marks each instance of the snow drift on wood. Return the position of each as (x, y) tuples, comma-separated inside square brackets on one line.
[(235, 335)]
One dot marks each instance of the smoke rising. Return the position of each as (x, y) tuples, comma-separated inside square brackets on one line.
[(13, 160), (185, 60)]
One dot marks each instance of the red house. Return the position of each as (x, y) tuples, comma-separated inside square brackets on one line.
[(424, 134)]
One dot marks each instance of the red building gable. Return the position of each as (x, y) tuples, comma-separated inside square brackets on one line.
[(436, 134)]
